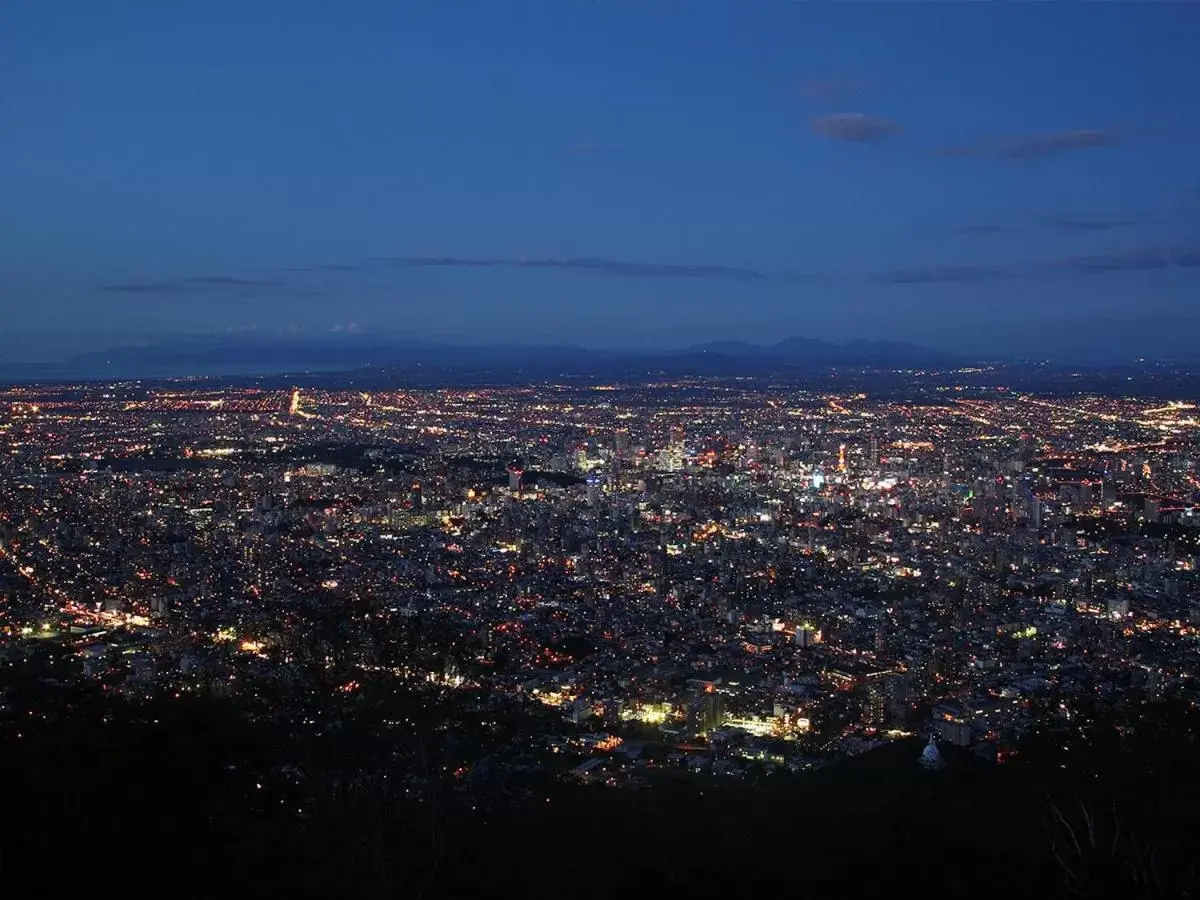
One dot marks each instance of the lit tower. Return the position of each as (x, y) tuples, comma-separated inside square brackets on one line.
[(622, 442), (675, 449)]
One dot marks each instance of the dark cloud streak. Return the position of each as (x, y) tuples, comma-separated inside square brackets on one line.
[(148, 287), (196, 285), (983, 230), (1133, 260), (833, 88), (854, 128), (596, 264), (1086, 225), (957, 274), (1136, 260), (200, 284), (1065, 224), (227, 281), (1040, 146)]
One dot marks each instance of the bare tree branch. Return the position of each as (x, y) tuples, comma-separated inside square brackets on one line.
[(1090, 821), (1067, 825)]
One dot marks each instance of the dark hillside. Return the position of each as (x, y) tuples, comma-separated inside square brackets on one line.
[(184, 798)]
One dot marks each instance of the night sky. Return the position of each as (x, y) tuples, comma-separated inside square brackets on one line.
[(990, 178)]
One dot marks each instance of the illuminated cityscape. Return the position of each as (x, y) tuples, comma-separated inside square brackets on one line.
[(707, 575), (500, 593)]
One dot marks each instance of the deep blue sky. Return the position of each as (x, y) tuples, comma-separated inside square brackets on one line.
[(984, 177)]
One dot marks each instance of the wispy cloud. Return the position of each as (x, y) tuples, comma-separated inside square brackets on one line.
[(984, 229), (1085, 225), (594, 264), (969, 272), (854, 128), (448, 262), (834, 87), (228, 281), (147, 287), (1121, 260), (584, 148), (1138, 259), (1040, 146), (200, 284), (1065, 224), (1128, 260)]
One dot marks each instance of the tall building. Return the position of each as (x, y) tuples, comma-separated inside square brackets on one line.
[(874, 703), (806, 636), (673, 457), (712, 711), (1028, 447), (621, 443)]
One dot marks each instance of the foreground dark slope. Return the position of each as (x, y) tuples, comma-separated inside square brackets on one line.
[(166, 798)]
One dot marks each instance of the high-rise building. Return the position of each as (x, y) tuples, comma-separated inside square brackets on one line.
[(874, 710), (806, 636), (673, 457), (712, 711), (621, 443)]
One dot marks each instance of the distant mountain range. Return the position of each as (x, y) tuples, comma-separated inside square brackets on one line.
[(252, 355), (811, 352)]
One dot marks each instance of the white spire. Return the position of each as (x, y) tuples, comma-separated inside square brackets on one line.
[(931, 758)]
